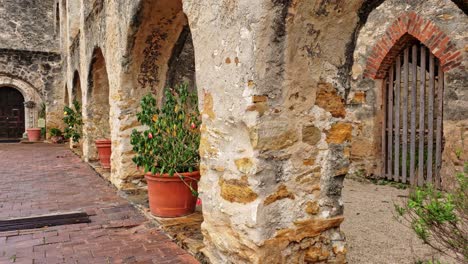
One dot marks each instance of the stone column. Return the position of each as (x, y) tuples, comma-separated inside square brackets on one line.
[(272, 161)]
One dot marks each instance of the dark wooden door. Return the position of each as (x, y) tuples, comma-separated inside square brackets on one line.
[(11, 113)]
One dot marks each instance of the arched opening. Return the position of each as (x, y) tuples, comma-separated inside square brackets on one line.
[(76, 89), (162, 48), (75, 95), (160, 54), (11, 113), (66, 100), (413, 108), (97, 110)]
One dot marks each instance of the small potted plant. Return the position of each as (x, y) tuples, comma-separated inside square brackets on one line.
[(167, 150), (56, 135), (73, 121)]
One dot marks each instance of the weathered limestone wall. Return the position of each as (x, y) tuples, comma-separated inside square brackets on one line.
[(28, 25), (143, 51), (364, 102), (272, 78), (274, 153), (41, 70), (275, 143), (74, 19), (29, 54)]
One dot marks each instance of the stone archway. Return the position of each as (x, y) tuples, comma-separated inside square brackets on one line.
[(29, 93), (161, 50), (160, 53), (380, 40), (96, 107)]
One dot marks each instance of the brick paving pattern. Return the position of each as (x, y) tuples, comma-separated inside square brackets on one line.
[(42, 179)]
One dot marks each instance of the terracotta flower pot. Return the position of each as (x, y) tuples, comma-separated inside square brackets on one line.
[(34, 134), (170, 196), (104, 152)]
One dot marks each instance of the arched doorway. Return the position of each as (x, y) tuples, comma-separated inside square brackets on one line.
[(11, 113), (97, 108)]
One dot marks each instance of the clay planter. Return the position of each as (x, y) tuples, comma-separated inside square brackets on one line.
[(34, 134), (104, 151), (170, 196)]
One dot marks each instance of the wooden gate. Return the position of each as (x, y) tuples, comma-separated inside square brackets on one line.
[(412, 130)]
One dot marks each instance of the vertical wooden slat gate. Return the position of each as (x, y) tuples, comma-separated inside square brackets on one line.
[(412, 121)]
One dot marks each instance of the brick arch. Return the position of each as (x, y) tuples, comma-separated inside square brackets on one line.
[(411, 26)]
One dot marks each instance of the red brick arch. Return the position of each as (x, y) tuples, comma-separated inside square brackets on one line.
[(411, 26)]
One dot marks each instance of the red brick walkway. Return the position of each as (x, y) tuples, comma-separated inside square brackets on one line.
[(42, 179)]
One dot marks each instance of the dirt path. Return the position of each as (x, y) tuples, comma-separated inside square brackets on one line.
[(373, 235)]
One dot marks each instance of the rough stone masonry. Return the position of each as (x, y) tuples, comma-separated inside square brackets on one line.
[(30, 58), (277, 81)]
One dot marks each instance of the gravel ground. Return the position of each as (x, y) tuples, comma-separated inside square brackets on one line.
[(373, 235)]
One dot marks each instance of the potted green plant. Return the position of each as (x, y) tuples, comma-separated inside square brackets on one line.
[(56, 135), (167, 150), (73, 121)]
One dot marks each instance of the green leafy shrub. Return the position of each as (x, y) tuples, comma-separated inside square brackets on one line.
[(439, 218), (428, 262), (55, 132), (169, 145), (74, 121)]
